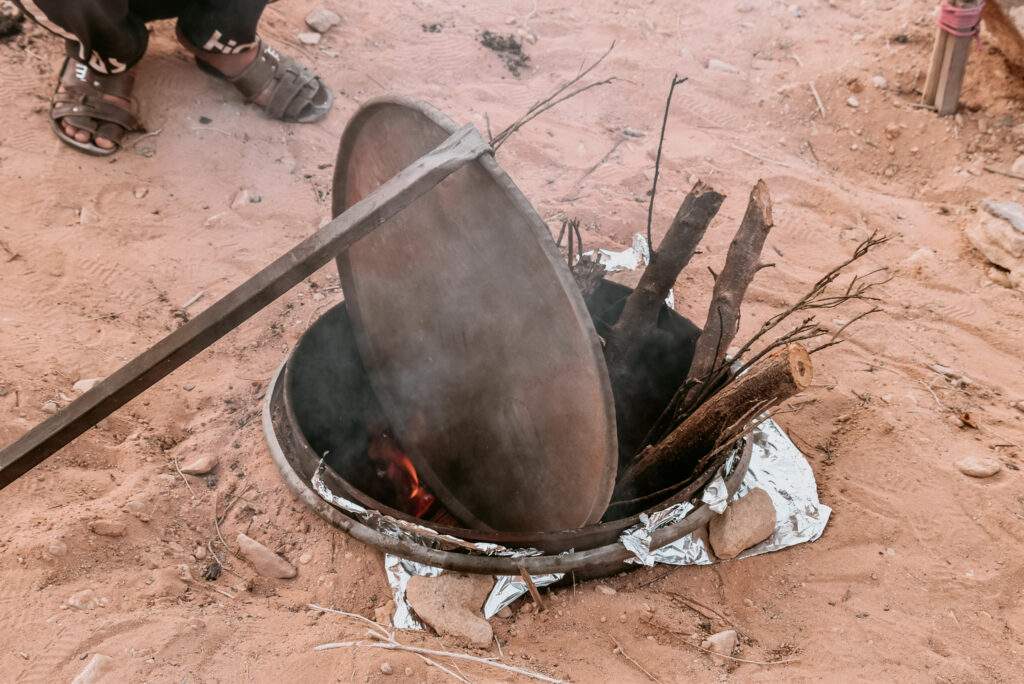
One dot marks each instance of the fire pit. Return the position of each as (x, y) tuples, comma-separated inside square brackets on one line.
[(321, 409)]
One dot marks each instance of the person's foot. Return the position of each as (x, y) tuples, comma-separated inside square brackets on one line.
[(83, 135), (91, 111), (279, 85)]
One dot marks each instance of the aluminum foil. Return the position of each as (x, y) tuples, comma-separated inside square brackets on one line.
[(400, 570), (776, 466), (638, 254)]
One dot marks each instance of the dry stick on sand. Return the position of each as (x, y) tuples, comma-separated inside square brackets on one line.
[(562, 93), (622, 652), (773, 379), (657, 161)]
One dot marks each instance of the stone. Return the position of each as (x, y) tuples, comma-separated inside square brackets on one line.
[(200, 465), (57, 548), (309, 37), (385, 668), (264, 561), (200, 552), (852, 101), (632, 132), (50, 407), (305, 558), (382, 614), (744, 523), (245, 196), (999, 276), (879, 82), (322, 20), (979, 466), (719, 65), (451, 605), (88, 216), (723, 643), (893, 131), (999, 236), (140, 192), (605, 589), (83, 386), (94, 670), (85, 599), (106, 527)]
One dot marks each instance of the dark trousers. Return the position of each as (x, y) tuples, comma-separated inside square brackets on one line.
[(111, 35)]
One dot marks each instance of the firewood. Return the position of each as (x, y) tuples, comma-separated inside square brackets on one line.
[(636, 331), (742, 262), (773, 379)]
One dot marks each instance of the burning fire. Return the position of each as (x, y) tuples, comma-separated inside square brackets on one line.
[(397, 468)]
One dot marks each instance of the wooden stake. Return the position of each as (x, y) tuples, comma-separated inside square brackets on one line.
[(949, 62)]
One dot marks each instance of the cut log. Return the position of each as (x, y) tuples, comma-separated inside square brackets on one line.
[(773, 379), (640, 314), (636, 332), (741, 264)]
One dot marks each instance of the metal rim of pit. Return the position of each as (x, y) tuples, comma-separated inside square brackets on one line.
[(598, 561)]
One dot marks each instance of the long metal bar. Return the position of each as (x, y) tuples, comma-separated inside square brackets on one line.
[(145, 370)]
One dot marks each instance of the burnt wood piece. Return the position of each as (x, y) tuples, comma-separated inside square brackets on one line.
[(635, 334), (464, 146), (742, 262), (776, 377)]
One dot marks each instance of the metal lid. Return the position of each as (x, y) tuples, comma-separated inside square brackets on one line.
[(475, 337)]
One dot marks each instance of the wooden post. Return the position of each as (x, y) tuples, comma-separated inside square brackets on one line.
[(949, 57)]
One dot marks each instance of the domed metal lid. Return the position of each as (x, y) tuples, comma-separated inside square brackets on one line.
[(475, 337)]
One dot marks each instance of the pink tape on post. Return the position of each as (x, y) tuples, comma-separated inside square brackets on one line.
[(962, 22)]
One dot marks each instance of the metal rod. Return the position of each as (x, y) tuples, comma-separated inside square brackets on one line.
[(145, 370)]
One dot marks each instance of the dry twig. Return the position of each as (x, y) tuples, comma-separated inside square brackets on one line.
[(562, 93), (622, 652), (657, 160)]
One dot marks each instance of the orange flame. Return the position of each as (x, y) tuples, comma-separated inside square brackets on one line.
[(399, 470)]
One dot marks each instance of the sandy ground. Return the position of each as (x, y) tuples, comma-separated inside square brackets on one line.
[(917, 578)]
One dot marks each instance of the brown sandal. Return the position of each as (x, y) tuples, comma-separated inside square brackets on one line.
[(78, 101), (296, 94)]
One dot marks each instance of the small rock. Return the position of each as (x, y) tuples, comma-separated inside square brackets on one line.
[(632, 132), (50, 407), (200, 552), (408, 672), (385, 668), (83, 386), (309, 37), (200, 465), (450, 605), (979, 466), (88, 216), (719, 65), (83, 600), (879, 82), (505, 613), (245, 196), (852, 101), (1018, 165), (723, 643), (999, 276), (305, 558), (322, 20), (57, 549), (382, 614), (605, 589), (263, 560), (107, 528), (955, 420), (893, 131), (94, 669), (188, 387), (139, 193), (744, 523)]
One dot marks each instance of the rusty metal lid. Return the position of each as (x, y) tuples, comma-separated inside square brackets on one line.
[(475, 337)]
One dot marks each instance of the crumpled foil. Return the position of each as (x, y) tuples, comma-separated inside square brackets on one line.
[(638, 254), (400, 570), (776, 466)]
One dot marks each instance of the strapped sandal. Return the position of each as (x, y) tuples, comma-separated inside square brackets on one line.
[(285, 89), (79, 101)]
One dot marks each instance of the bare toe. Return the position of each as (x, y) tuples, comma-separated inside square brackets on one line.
[(82, 136)]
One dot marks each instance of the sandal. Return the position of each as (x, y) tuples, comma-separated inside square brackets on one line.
[(79, 102), (291, 92)]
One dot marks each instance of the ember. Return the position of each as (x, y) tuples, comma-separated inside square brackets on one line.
[(397, 469)]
